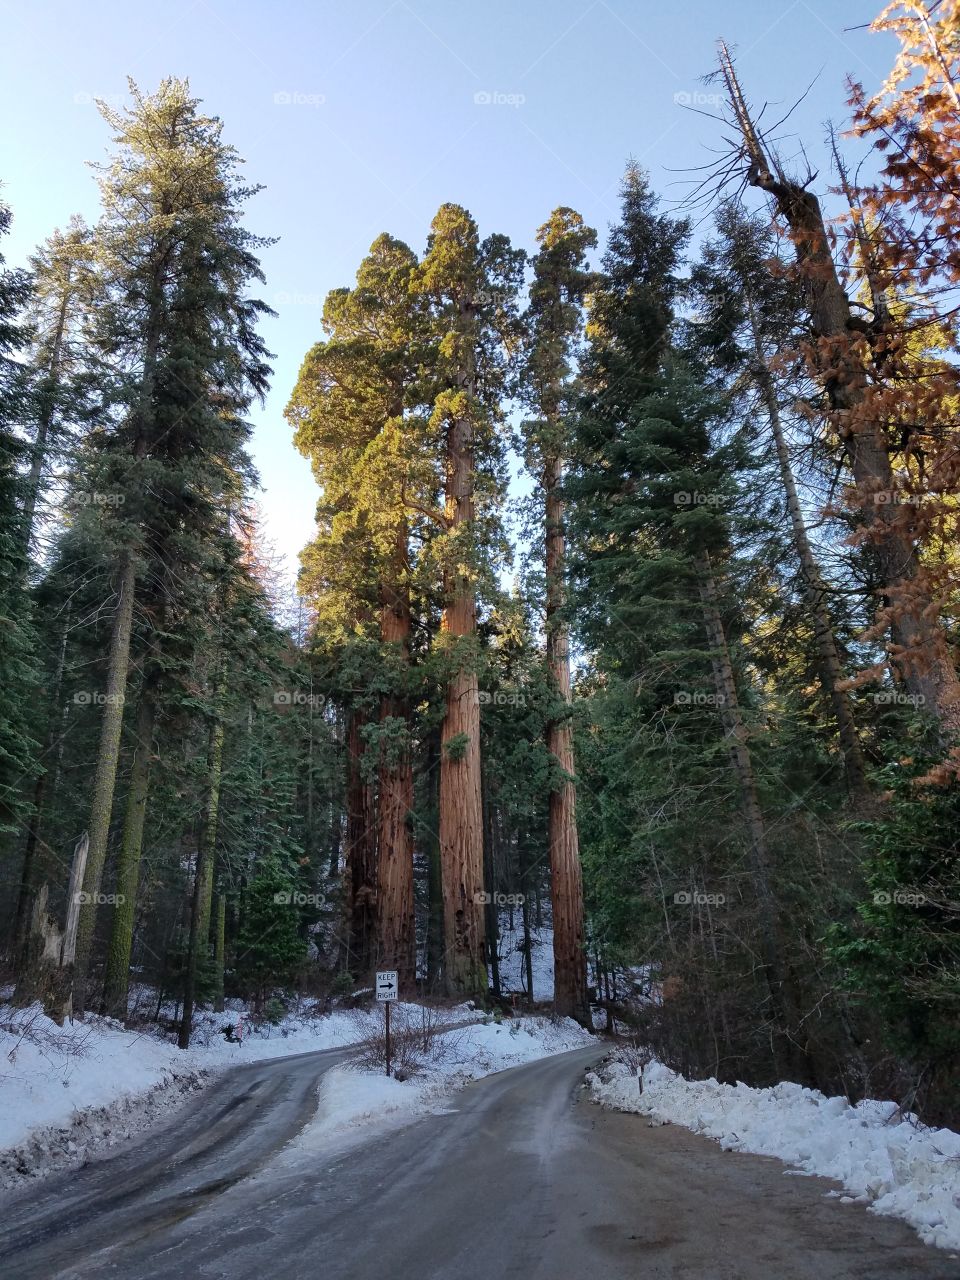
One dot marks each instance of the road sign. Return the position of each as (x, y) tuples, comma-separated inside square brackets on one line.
[(388, 990), (387, 985)]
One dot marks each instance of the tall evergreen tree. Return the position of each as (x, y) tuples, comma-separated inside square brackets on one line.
[(18, 749), (357, 417), (469, 288), (745, 314), (59, 314), (179, 360), (554, 321)]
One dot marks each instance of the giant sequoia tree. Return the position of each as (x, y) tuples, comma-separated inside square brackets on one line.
[(356, 417), (554, 318), (468, 288)]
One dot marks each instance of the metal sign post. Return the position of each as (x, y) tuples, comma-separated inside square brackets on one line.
[(387, 990), (387, 1012)]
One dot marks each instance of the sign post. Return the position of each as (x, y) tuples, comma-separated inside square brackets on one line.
[(387, 991)]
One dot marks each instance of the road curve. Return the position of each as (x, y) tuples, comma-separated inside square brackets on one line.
[(166, 1174), (522, 1177)]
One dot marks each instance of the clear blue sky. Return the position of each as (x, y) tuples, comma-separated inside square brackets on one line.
[(362, 116)]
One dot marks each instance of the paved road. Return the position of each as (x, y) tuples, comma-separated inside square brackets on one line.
[(523, 1178)]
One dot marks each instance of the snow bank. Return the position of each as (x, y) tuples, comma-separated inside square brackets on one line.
[(48, 1074), (352, 1102), (897, 1166), (67, 1091), (295, 1033), (487, 1047)]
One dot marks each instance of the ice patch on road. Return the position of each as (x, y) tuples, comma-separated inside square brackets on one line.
[(355, 1103), (891, 1162)]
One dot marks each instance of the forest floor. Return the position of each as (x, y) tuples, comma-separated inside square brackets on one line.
[(517, 1175)]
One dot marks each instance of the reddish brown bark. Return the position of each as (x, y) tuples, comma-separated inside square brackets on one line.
[(566, 878), (360, 852), (461, 818), (396, 938)]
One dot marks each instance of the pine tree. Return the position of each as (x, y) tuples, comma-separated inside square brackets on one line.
[(179, 361), (745, 315), (18, 748), (62, 284), (650, 440)]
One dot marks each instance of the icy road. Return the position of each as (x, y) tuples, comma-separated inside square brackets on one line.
[(522, 1177)]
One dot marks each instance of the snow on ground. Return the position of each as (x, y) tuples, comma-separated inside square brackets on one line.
[(68, 1091), (48, 1073), (481, 1049), (883, 1158)]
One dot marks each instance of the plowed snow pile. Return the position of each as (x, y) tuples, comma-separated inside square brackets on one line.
[(883, 1158)]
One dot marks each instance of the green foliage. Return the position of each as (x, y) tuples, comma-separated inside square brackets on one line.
[(18, 641), (901, 951), (269, 949), (456, 747), (130, 368)]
